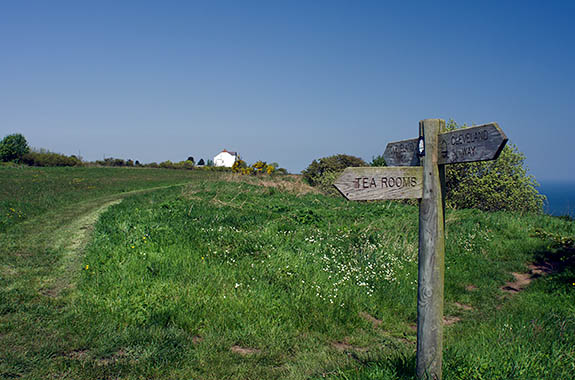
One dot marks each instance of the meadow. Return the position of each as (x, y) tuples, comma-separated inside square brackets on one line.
[(152, 273), (27, 192)]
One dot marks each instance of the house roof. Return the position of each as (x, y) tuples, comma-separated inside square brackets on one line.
[(227, 151)]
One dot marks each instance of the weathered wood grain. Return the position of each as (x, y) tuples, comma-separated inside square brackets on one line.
[(479, 143), (375, 183), (431, 257), (401, 153)]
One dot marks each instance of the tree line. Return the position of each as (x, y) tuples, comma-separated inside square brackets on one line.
[(14, 148)]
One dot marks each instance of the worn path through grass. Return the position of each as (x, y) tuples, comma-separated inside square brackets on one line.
[(39, 265), (72, 235)]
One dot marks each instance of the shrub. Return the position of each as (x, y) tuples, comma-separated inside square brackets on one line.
[(501, 184), (13, 148), (110, 161), (238, 166), (46, 158), (182, 165), (187, 165), (167, 165), (378, 161), (323, 172), (259, 167), (248, 171), (201, 162)]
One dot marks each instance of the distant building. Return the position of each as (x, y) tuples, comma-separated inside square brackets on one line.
[(225, 158)]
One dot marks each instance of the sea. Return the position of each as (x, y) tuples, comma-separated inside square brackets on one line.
[(560, 197)]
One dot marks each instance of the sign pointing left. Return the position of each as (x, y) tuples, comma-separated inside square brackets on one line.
[(373, 183)]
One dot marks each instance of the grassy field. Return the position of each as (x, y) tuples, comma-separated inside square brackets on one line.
[(27, 192), (229, 278)]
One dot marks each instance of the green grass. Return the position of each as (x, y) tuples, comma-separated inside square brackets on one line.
[(27, 192), (227, 279)]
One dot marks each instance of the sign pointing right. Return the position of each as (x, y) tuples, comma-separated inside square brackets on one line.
[(479, 143)]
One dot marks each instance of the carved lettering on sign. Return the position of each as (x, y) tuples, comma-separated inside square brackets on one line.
[(398, 182), (469, 137), (381, 183), (478, 143), (408, 146), (463, 144), (386, 182)]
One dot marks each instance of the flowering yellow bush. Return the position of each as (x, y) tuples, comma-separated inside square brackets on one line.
[(248, 171), (238, 166), (259, 167)]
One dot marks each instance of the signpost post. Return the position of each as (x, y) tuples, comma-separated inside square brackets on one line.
[(419, 172)]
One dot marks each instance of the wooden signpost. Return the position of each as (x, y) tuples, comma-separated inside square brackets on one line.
[(418, 172), (369, 183), (478, 143)]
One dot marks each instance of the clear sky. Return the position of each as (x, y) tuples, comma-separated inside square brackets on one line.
[(285, 81)]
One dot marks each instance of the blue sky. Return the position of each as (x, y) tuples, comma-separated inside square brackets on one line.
[(285, 81)]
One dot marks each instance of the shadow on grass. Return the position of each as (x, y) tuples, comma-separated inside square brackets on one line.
[(559, 264), (400, 367)]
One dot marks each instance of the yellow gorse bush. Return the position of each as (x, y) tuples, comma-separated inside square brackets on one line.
[(259, 167)]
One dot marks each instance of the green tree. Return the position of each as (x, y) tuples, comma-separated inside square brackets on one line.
[(324, 171), (501, 184), (13, 147)]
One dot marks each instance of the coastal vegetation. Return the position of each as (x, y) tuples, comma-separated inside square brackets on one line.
[(155, 273), (498, 185)]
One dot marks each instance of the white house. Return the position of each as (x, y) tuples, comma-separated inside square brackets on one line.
[(225, 158)]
